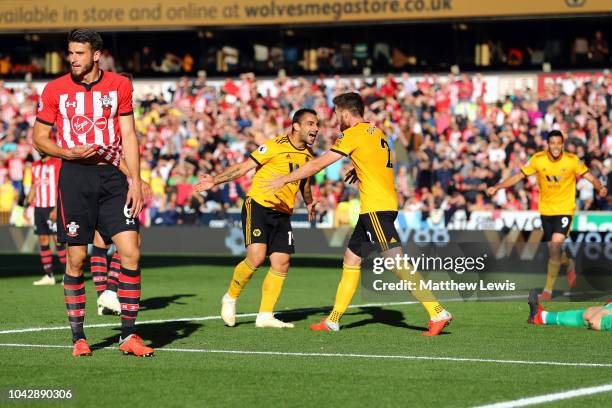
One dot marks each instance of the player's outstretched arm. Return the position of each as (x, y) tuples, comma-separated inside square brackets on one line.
[(509, 182), (43, 143), (601, 189), (206, 181), (307, 170)]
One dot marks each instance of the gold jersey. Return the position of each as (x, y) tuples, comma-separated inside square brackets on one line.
[(556, 181), (368, 148), (277, 157)]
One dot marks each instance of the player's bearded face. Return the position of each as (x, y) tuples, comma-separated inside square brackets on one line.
[(342, 120), (81, 58)]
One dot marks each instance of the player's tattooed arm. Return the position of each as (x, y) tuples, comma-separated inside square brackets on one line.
[(229, 174), (307, 170), (206, 181)]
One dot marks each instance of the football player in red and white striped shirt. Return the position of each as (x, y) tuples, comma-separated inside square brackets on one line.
[(43, 195), (92, 111)]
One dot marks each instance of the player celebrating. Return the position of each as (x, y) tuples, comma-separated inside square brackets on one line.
[(266, 221), (43, 194), (369, 151), (95, 124), (556, 175)]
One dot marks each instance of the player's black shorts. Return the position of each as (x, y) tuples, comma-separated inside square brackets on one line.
[(560, 224), (263, 225), (376, 228), (42, 224), (90, 198)]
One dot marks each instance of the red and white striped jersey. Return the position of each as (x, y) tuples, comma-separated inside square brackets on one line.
[(16, 167), (87, 114), (45, 175)]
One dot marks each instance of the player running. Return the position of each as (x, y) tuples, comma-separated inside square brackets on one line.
[(266, 223), (43, 195), (595, 318), (369, 151), (556, 172), (92, 111)]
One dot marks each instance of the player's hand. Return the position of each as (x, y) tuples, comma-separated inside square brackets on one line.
[(145, 189), (491, 191), (206, 182), (80, 152), (53, 215), (603, 193), (271, 186), (351, 176), (134, 199), (312, 213)]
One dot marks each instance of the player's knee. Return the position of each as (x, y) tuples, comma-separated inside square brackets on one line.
[(130, 255), (43, 240), (351, 259), (75, 265), (256, 259), (280, 265)]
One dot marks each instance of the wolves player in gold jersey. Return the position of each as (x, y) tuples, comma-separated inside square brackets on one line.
[(556, 172), (369, 150), (266, 217)]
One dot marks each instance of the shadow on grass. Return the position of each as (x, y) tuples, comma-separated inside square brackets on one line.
[(377, 315), (161, 302), (158, 334)]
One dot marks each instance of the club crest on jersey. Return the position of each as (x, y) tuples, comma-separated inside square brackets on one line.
[(72, 229), (107, 102), (81, 124)]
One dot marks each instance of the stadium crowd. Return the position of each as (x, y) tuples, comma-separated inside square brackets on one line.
[(448, 144)]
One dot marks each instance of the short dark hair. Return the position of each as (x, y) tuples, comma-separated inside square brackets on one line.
[(554, 133), (350, 101), (85, 35), (297, 116)]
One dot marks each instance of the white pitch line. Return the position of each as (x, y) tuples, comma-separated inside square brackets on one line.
[(558, 396), (341, 355), (217, 317)]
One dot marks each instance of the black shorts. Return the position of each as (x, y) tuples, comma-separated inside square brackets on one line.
[(560, 224), (263, 225), (376, 228), (42, 224), (90, 198)]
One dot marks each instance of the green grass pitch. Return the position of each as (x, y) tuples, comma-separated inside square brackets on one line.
[(489, 354)]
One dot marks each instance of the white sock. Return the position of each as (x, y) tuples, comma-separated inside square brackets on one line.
[(228, 298), (544, 314)]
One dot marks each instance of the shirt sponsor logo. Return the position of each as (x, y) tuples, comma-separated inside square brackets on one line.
[(81, 124)]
